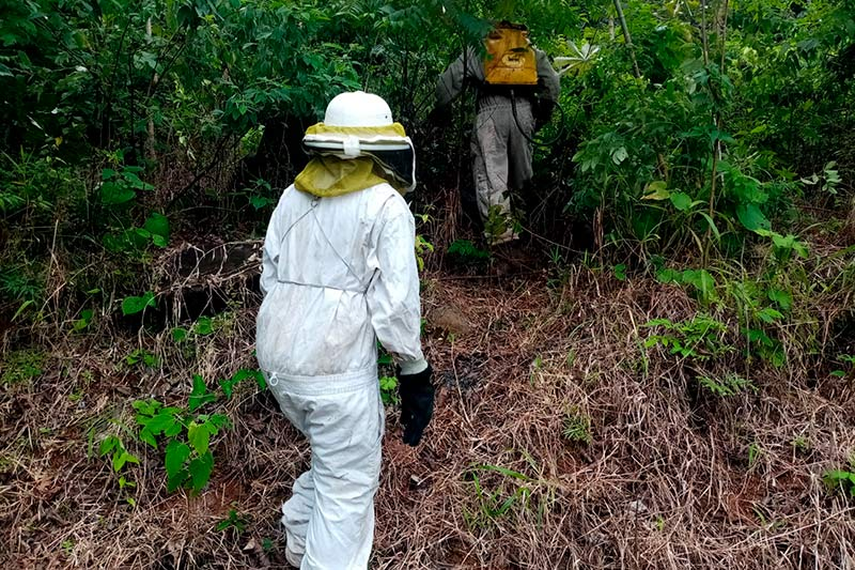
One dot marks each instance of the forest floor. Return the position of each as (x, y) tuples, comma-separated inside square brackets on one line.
[(559, 441)]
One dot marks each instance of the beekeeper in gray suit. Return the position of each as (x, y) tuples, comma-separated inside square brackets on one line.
[(517, 92)]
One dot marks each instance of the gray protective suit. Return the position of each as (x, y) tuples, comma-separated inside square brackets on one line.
[(501, 154)]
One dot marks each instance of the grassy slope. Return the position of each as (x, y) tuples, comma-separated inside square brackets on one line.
[(672, 477)]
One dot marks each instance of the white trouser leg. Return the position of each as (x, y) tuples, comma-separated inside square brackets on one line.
[(344, 425), (296, 513)]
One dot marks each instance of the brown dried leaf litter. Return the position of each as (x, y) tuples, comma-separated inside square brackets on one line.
[(665, 481)]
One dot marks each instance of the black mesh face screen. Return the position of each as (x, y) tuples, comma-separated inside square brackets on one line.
[(398, 161)]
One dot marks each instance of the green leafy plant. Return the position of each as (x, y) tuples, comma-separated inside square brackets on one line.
[(842, 479), (261, 194), (119, 455), (467, 251), (754, 453), (493, 505), (204, 326), (142, 356), (515, 493), (577, 426), (847, 360), (179, 334), (83, 322), (234, 521), (22, 366), (389, 390), (729, 385), (133, 305), (828, 181), (423, 247), (699, 338), (701, 281), (185, 436), (121, 186), (785, 247), (228, 385)]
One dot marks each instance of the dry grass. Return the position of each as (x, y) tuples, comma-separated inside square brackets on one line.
[(665, 482)]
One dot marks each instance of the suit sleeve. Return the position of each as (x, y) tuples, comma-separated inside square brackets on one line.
[(547, 78), (393, 295), (451, 83)]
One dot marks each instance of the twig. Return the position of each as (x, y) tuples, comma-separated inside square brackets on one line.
[(627, 38)]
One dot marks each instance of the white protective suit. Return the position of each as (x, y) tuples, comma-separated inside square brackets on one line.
[(339, 274)]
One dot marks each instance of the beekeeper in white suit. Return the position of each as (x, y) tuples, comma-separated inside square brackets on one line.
[(339, 274)]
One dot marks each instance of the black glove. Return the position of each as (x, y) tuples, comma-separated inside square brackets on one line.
[(416, 393)]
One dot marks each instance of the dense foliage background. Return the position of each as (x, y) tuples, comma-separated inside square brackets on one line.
[(717, 122)]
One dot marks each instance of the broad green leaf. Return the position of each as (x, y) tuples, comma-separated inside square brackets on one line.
[(200, 470), (259, 378), (228, 386), (122, 458), (784, 299), (789, 243), (752, 218), (174, 429), (657, 190), (157, 225), (113, 194), (238, 377), (172, 483), (200, 395), (681, 201), (669, 275), (259, 202), (702, 281), (147, 407), (162, 422), (147, 437), (134, 305), (219, 421), (769, 315), (134, 181), (176, 454), (179, 334), (199, 437), (204, 326), (146, 59), (84, 320), (109, 444)]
